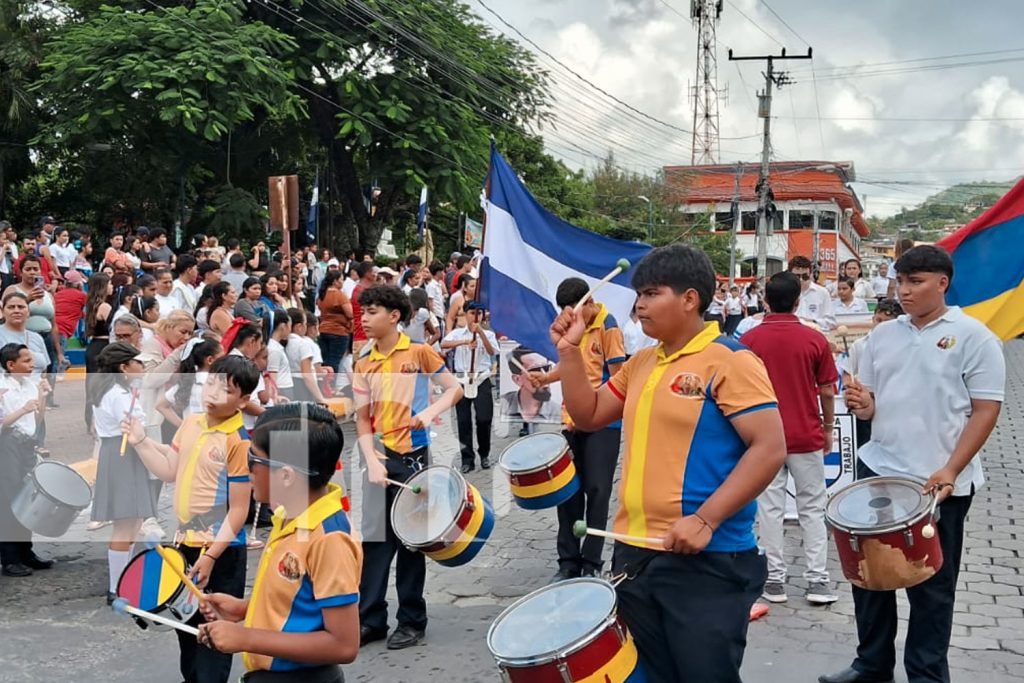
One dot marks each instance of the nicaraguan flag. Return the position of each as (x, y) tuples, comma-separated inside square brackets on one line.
[(988, 266), (421, 216), (314, 211), (528, 251)]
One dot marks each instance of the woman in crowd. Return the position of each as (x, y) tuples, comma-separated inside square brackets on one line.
[(63, 251), (335, 320), (250, 304), (220, 310), (861, 287), (271, 297), (15, 330), (42, 310)]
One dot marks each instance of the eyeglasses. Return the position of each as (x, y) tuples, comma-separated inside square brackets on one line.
[(275, 464), (804, 276)]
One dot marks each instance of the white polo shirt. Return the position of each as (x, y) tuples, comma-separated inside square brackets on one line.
[(816, 306), (923, 382)]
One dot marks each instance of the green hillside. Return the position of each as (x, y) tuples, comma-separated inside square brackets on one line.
[(955, 205)]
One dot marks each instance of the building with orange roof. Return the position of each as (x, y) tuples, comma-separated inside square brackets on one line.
[(817, 213)]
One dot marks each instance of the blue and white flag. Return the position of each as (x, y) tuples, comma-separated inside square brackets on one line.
[(528, 251), (314, 212), (421, 216)]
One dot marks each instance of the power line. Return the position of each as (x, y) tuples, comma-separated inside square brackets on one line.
[(755, 24)]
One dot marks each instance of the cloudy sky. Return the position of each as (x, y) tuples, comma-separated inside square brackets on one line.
[(909, 133)]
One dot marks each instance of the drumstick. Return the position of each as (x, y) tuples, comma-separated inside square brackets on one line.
[(166, 557), (621, 266), (842, 331), (580, 529), (415, 489), (128, 416), (121, 606)]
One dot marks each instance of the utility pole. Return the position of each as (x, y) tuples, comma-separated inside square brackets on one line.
[(764, 111), (735, 226)]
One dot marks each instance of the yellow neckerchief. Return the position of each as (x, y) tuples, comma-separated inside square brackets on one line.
[(701, 341), (309, 519), (184, 484)]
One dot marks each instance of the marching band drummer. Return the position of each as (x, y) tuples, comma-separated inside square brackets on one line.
[(703, 439), (938, 352)]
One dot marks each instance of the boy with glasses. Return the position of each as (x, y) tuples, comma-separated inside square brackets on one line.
[(815, 301)]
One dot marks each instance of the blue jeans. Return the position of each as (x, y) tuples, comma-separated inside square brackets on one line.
[(334, 347)]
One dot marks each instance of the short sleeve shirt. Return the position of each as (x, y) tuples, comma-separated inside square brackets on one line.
[(680, 445), (397, 386), (923, 381), (210, 459), (310, 564), (602, 346)]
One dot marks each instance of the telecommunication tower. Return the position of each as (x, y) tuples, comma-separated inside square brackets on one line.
[(706, 15)]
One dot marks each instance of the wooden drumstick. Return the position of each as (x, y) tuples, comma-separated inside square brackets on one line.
[(621, 266), (121, 606), (417, 489), (580, 529), (128, 416), (167, 558)]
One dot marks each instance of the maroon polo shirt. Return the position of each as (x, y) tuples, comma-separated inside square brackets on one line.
[(799, 360)]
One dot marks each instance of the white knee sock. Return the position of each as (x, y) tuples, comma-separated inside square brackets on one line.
[(117, 560)]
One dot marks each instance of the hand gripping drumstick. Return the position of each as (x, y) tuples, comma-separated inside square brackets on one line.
[(166, 557), (621, 266), (580, 529), (128, 416), (121, 606)]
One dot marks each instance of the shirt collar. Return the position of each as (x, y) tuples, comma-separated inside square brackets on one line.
[(403, 343), (313, 516), (952, 314), (598, 323), (780, 318), (228, 426), (700, 342)]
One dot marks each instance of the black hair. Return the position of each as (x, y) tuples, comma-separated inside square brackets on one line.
[(461, 262), (465, 279), (160, 272), (330, 278), (245, 333), (208, 266), (141, 304), (232, 243), (274, 319), (187, 369), (518, 354), (782, 292), (267, 277), (852, 260), (216, 295), (848, 281), (417, 299), (799, 262), (9, 354), (184, 262), (435, 267), (108, 368), (156, 233), (145, 281), (926, 258), (297, 316), (126, 291), (388, 297), (304, 435), (363, 267), (235, 260), (413, 260), (249, 282), (680, 267), (239, 371), (570, 291), (889, 307)]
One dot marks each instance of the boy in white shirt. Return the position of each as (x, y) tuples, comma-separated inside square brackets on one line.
[(474, 347)]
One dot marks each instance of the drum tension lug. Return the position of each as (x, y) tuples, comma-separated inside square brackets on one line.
[(908, 536), (855, 544), (563, 668), (620, 632)]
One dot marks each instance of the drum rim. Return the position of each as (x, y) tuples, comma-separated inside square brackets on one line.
[(48, 495), (177, 591), (462, 505), (570, 649), (881, 530), (540, 468)]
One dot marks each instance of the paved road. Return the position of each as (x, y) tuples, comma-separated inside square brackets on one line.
[(55, 626)]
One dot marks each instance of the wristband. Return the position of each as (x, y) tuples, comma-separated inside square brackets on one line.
[(704, 521)]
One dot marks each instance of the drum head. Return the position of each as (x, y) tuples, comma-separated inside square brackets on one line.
[(423, 518), (62, 484), (877, 504), (148, 583), (533, 452), (550, 621)]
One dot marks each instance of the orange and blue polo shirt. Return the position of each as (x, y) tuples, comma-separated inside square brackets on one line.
[(210, 458), (310, 564), (602, 346), (680, 443), (397, 386)]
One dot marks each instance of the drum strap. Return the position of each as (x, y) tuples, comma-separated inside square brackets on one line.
[(631, 571)]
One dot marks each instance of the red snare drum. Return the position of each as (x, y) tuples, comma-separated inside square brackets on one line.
[(877, 525), (567, 632)]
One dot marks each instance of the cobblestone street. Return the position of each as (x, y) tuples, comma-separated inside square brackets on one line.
[(55, 626)]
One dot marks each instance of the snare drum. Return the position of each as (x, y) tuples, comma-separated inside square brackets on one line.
[(149, 584), (540, 470), (565, 633), (50, 499), (877, 525), (448, 520)]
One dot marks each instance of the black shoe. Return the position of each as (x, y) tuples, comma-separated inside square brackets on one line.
[(368, 635), (485, 464), (563, 574), (591, 572), (851, 675), (16, 569), (404, 636), (524, 431), (111, 597), (33, 561), (467, 468)]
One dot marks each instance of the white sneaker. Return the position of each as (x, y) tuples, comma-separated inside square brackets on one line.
[(152, 529), (820, 594)]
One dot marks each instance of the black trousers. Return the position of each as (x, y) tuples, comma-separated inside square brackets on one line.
[(483, 405), (931, 608), (17, 458), (595, 455), (410, 568), (317, 674), (689, 613), (200, 664)]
